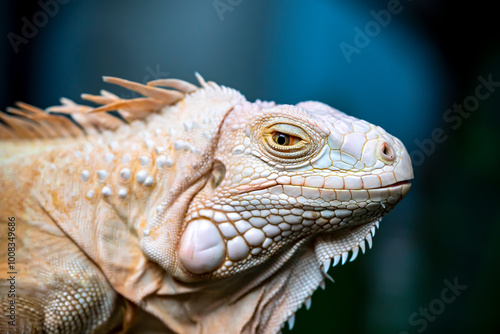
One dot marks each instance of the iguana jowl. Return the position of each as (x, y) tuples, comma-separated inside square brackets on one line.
[(214, 214)]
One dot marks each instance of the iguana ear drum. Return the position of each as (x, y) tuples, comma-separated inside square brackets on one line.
[(202, 249), (218, 173)]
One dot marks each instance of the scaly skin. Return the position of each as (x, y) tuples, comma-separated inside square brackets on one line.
[(207, 211)]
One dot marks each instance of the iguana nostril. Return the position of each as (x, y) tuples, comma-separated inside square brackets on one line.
[(386, 152)]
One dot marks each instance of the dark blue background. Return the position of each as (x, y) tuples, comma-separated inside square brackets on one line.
[(404, 79)]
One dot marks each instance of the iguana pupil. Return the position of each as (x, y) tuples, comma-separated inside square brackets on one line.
[(281, 139)]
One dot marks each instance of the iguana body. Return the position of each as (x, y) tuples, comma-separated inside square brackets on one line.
[(214, 214)]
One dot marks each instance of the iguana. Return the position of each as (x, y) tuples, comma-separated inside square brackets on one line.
[(212, 213)]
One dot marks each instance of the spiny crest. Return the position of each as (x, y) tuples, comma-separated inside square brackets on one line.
[(71, 119)]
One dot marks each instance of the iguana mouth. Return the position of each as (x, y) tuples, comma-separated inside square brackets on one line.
[(401, 183), (268, 184), (382, 193)]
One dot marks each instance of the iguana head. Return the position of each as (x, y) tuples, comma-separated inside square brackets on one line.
[(284, 174), (220, 213)]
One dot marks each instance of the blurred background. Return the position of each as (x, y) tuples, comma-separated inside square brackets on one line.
[(426, 71)]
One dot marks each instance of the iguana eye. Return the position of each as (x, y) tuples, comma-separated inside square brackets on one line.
[(284, 139), (278, 138)]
